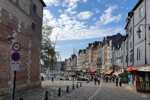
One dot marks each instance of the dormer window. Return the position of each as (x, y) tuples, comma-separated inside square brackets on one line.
[(141, 12)]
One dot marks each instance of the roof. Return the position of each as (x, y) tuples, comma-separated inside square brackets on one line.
[(43, 3), (136, 6), (130, 14)]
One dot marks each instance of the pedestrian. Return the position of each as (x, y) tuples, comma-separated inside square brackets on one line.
[(106, 79), (95, 80), (120, 81), (52, 79), (117, 81), (99, 80)]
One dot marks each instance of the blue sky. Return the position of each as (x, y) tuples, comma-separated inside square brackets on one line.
[(78, 22)]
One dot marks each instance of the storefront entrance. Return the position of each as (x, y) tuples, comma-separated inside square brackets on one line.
[(143, 81)]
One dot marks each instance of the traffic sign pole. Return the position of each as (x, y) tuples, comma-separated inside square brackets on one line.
[(15, 57), (14, 86)]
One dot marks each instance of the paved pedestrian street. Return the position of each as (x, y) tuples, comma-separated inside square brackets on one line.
[(106, 91), (89, 91)]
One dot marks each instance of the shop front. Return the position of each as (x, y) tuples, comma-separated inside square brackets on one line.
[(143, 79), (131, 75)]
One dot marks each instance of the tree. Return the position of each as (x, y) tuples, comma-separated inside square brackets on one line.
[(48, 54)]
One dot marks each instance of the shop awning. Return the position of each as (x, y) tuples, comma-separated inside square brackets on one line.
[(131, 69), (144, 68), (92, 70), (109, 72), (117, 73)]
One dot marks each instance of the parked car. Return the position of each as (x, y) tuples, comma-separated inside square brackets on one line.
[(60, 78), (82, 79)]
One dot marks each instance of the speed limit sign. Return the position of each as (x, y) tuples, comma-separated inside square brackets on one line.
[(16, 46)]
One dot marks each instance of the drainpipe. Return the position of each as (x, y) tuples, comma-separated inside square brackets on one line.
[(133, 40), (145, 34)]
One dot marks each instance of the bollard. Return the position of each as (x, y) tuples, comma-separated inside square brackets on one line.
[(59, 92), (20, 98), (67, 89), (73, 87), (46, 95)]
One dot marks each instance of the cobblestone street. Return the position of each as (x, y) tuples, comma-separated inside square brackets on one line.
[(39, 93), (106, 91)]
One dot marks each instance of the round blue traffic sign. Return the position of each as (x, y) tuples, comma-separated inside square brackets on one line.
[(15, 56)]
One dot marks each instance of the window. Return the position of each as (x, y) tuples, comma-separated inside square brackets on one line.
[(130, 44), (139, 31), (131, 57), (141, 12), (34, 8), (130, 32), (33, 26), (138, 54)]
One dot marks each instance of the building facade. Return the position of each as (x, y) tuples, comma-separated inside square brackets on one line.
[(138, 30), (81, 60), (20, 20)]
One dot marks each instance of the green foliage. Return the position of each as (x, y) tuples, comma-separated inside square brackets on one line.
[(48, 54)]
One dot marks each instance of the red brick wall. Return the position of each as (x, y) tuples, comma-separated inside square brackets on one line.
[(7, 26)]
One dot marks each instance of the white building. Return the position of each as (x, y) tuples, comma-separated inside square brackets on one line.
[(138, 30)]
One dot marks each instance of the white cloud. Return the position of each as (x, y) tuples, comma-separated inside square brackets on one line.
[(48, 18), (52, 2), (108, 17), (67, 27), (74, 2), (85, 15)]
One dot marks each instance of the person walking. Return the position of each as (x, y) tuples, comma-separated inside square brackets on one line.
[(120, 81), (99, 80), (95, 80), (117, 81)]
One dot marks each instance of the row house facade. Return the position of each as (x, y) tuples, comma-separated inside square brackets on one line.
[(120, 54), (93, 55), (74, 62), (20, 20), (81, 59), (70, 64), (108, 52), (106, 55), (138, 31)]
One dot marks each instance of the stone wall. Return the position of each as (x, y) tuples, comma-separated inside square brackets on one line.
[(14, 20)]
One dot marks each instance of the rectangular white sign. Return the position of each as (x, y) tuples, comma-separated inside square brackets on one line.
[(15, 66)]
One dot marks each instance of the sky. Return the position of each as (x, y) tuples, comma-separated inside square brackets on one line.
[(76, 23)]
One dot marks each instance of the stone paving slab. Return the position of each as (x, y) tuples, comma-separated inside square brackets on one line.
[(39, 93)]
